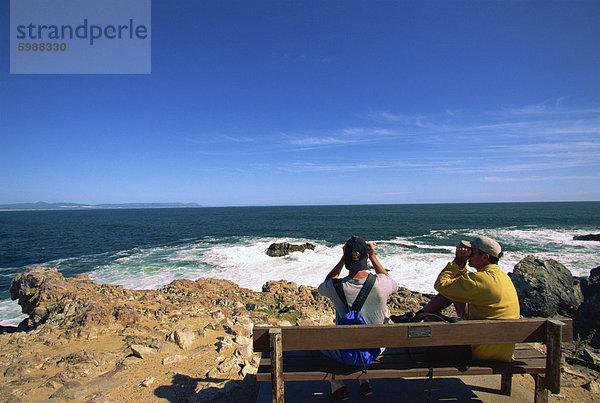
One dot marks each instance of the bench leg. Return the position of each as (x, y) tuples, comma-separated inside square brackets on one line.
[(541, 393), (506, 384), (553, 355), (276, 350)]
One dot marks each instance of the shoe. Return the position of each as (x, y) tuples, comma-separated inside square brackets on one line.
[(339, 395), (365, 390)]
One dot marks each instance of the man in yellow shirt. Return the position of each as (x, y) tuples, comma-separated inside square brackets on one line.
[(487, 293)]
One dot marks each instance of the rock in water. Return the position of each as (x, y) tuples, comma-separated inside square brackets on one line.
[(285, 248), (546, 288), (589, 237), (587, 319), (29, 289)]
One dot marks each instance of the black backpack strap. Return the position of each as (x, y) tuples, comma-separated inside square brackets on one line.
[(435, 317), (364, 292), (337, 284)]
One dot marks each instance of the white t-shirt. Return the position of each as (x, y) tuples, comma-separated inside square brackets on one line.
[(374, 309)]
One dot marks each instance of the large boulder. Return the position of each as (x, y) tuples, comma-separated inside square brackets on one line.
[(285, 248), (76, 304), (287, 294), (546, 288), (31, 290), (587, 318)]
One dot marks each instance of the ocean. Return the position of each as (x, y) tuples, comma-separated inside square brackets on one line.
[(148, 248)]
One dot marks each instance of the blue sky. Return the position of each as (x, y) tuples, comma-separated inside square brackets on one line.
[(320, 102)]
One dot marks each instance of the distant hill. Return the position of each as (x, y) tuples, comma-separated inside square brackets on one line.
[(79, 206)]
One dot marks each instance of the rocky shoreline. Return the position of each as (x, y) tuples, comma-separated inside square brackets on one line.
[(191, 340)]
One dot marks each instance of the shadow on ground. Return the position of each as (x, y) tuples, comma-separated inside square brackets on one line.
[(481, 388), (184, 388)]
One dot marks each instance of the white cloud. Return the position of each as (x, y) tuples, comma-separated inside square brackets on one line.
[(369, 131), (529, 110), (345, 167), (536, 138), (538, 178), (317, 141), (533, 166), (239, 139), (387, 117), (452, 112)]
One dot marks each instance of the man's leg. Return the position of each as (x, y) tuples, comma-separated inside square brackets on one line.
[(335, 385), (365, 388), (338, 390), (461, 309), (439, 303)]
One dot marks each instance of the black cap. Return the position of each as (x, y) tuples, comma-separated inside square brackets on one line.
[(355, 254)]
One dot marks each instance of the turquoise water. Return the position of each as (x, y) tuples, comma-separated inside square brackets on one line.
[(147, 248)]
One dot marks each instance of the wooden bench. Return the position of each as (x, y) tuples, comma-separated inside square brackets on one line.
[(292, 353)]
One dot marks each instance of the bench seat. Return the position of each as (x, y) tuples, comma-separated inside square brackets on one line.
[(292, 353), (396, 363)]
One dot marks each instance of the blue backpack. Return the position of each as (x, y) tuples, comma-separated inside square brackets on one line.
[(359, 357)]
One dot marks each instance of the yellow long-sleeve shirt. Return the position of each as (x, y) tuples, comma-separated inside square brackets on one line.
[(490, 294)]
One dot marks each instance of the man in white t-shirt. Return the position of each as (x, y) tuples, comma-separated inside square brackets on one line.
[(374, 310)]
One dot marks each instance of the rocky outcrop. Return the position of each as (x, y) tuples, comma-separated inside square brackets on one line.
[(79, 333), (82, 308), (187, 341), (405, 300), (285, 248), (589, 237), (77, 304), (546, 288), (79, 308), (287, 294), (587, 319)]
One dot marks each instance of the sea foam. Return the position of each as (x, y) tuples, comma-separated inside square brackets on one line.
[(414, 262)]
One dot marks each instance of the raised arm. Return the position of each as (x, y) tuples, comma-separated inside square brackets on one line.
[(461, 255), (373, 258), (335, 272)]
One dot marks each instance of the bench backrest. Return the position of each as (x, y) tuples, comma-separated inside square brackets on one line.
[(411, 334)]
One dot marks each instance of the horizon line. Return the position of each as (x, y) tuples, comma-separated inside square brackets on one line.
[(194, 205)]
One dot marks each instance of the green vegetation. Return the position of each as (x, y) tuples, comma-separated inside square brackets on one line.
[(581, 344), (285, 313)]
